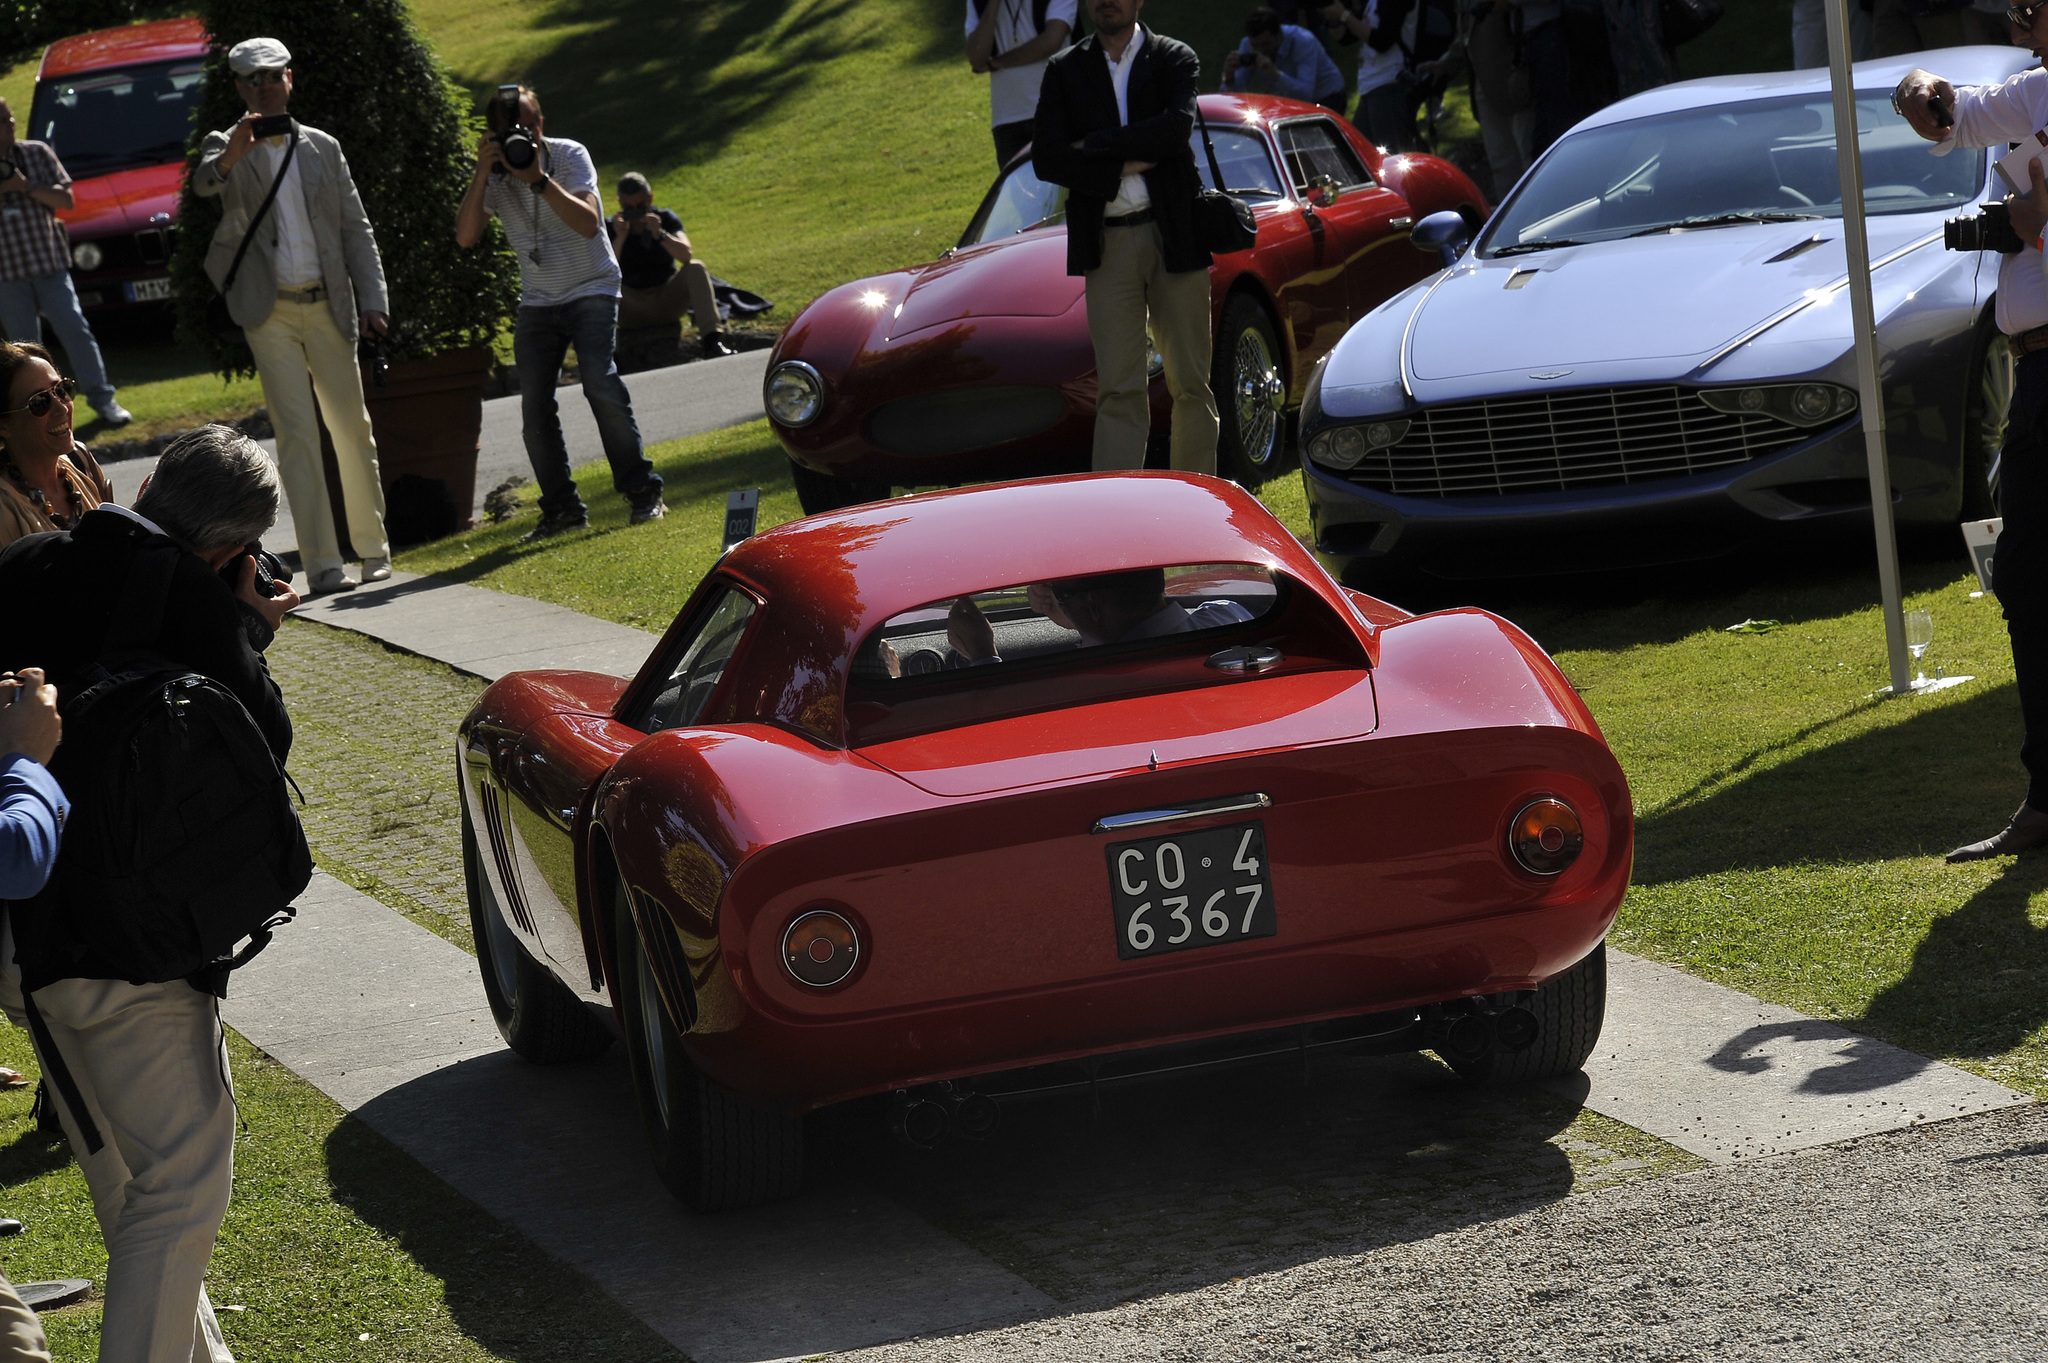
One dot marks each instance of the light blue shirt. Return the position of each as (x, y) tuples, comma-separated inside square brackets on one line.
[(1302, 69)]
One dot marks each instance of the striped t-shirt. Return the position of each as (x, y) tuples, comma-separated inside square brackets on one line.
[(557, 264)]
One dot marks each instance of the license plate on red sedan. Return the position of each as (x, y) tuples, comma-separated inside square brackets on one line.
[(1189, 890)]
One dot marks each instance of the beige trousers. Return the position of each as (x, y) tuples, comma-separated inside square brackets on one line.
[(21, 1334), (1131, 284), (151, 1066), (299, 352), (688, 289)]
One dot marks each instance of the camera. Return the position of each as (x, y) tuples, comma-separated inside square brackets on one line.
[(271, 125), (514, 142), (635, 212), (271, 574), (375, 357), (1990, 230)]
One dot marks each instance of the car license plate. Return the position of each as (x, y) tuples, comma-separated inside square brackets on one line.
[(149, 290), (1191, 890)]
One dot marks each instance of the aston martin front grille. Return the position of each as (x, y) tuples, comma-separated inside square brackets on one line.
[(1554, 442), (963, 419)]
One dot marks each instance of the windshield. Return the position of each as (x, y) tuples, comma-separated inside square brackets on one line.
[(1066, 618), (120, 119), (1022, 201), (1768, 160)]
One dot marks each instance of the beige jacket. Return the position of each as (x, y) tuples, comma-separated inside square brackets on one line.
[(349, 266)]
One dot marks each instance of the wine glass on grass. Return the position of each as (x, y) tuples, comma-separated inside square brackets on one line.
[(1919, 634)]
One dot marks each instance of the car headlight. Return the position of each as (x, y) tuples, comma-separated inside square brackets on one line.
[(820, 948), (794, 393), (87, 255), (1341, 447), (1796, 404)]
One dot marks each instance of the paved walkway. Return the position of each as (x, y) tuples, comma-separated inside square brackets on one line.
[(687, 399)]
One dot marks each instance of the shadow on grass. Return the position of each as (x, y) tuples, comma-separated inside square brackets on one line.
[(1978, 984), (31, 1154), (1913, 788)]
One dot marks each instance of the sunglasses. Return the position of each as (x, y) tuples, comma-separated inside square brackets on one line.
[(262, 78), (38, 403), (2022, 16)]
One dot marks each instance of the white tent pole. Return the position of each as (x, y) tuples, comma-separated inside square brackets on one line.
[(1862, 318)]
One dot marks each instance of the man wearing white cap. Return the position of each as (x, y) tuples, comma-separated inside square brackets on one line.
[(312, 264)]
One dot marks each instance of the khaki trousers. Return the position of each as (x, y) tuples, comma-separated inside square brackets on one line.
[(151, 1066), (1131, 284), (687, 290), (299, 352), (21, 1333)]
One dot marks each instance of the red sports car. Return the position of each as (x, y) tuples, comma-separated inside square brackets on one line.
[(978, 366), (1049, 784)]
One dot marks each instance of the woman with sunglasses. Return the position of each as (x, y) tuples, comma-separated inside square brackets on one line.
[(47, 478)]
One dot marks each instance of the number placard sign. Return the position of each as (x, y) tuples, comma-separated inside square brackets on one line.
[(741, 507), (1188, 890)]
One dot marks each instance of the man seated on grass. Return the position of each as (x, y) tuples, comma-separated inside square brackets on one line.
[(660, 276)]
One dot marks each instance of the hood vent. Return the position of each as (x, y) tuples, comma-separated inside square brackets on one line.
[(1799, 250)]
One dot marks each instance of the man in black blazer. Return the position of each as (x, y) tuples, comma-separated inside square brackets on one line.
[(1114, 117)]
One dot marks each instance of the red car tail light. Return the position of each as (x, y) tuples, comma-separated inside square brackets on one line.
[(820, 948), (1546, 836)]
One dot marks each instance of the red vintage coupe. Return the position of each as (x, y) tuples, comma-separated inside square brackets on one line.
[(983, 794), (978, 366)]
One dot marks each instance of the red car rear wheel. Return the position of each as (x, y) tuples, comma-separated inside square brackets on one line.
[(1570, 1009)]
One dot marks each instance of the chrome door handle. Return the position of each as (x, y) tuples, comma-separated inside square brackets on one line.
[(1400, 222), (1198, 809)]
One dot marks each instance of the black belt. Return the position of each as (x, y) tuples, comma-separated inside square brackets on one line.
[(1137, 219), (2027, 342)]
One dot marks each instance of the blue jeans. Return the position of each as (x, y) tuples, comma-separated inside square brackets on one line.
[(540, 340), (52, 296)]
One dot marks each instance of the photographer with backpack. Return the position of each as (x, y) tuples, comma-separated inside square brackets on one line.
[(181, 843)]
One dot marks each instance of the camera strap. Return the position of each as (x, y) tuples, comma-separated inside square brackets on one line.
[(257, 221), (1215, 171)]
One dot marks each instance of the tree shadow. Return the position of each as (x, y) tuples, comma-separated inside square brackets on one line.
[(32, 1153), (1842, 802)]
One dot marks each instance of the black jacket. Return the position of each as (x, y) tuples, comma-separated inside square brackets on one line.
[(60, 589), (1077, 103)]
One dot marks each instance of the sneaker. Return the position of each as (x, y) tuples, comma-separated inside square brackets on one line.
[(376, 569), (713, 344), (114, 414), (555, 522), (328, 581), (648, 511)]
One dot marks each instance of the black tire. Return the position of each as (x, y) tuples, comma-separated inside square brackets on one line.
[(818, 493), (714, 1152), (1246, 378), (538, 1017), (1984, 411), (1571, 1008)]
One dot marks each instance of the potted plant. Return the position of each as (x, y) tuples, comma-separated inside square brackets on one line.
[(363, 73)]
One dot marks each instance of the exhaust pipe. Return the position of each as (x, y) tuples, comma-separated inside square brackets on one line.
[(918, 1121), (974, 1114), (1471, 1029), (1515, 1028)]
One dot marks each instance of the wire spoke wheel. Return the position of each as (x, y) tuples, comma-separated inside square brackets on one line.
[(1250, 390), (1257, 379)]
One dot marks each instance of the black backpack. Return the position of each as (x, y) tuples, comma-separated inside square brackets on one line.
[(182, 839)]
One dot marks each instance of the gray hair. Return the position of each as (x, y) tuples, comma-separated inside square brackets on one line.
[(212, 487)]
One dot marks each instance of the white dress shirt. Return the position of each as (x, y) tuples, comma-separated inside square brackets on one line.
[(298, 258), (1133, 195), (1013, 91), (1993, 115)]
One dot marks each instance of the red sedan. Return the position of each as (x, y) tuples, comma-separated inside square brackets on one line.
[(978, 366), (1046, 785)]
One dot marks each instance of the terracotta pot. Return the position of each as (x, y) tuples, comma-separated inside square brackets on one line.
[(428, 420)]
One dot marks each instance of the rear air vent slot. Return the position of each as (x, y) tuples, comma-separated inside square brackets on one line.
[(1799, 250)]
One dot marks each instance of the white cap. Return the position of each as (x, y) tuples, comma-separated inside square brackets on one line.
[(258, 54)]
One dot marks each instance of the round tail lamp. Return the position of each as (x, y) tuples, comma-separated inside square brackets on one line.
[(820, 948), (1546, 836)]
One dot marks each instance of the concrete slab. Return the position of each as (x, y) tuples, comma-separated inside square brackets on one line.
[(389, 1021), (686, 399), (1730, 1078), (481, 632)]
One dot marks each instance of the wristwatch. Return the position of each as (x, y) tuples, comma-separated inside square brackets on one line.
[(540, 186)]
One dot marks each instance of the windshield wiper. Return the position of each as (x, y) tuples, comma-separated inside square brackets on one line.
[(1542, 244), (1726, 220)]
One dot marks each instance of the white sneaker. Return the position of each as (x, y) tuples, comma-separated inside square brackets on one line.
[(114, 414), (328, 581), (376, 569)]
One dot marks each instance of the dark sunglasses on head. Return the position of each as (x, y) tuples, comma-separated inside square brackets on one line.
[(38, 403), (2022, 16)]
